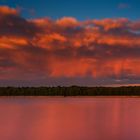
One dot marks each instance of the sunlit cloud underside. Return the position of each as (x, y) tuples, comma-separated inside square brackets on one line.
[(66, 51)]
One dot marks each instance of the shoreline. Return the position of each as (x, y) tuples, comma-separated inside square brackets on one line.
[(14, 96)]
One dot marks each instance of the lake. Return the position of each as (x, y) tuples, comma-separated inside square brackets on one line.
[(80, 118)]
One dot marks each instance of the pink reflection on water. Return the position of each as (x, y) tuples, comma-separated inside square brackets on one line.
[(70, 119)]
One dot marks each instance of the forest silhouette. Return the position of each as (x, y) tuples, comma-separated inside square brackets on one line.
[(70, 91)]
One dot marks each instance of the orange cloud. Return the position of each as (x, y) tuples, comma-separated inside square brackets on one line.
[(11, 42), (7, 11), (108, 24), (67, 22), (67, 48)]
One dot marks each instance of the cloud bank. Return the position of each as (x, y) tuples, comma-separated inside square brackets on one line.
[(44, 50)]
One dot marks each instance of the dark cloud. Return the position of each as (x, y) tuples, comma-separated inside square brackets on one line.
[(123, 6), (13, 25)]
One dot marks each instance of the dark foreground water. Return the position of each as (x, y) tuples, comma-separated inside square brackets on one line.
[(41, 118)]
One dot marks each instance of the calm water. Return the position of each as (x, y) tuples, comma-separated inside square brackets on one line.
[(69, 118)]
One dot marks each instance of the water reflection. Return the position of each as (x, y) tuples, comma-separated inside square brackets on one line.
[(70, 119)]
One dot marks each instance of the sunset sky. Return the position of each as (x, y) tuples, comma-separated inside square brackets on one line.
[(75, 42)]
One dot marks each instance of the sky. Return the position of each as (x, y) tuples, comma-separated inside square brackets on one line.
[(77, 42), (80, 9)]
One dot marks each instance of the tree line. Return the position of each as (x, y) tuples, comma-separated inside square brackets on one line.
[(70, 91)]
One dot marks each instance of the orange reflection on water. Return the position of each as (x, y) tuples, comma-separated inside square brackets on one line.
[(69, 119)]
